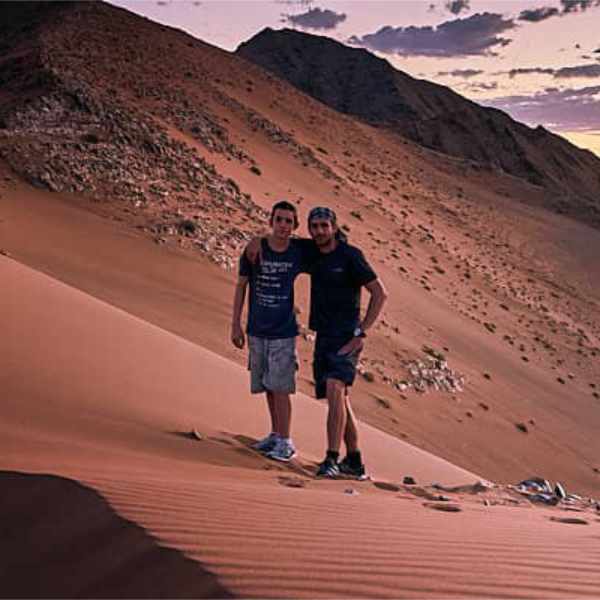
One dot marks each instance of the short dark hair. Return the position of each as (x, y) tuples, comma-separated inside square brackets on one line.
[(284, 205)]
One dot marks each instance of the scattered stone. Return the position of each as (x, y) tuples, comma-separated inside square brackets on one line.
[(561, 380), (522, 427), (430, 374), (491, 327), (351, 492), (487, 376), (384, 402), (408, 480), (484, 406), (369, 376), (5, 253), (559, 491), (196, 435), (535, 485)]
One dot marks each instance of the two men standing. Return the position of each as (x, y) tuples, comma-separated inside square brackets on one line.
[(338, 273)]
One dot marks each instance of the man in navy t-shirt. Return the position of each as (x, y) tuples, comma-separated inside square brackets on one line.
[(338, 273), (272, 327)]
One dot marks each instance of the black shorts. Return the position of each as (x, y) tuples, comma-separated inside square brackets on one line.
[(328, 364)]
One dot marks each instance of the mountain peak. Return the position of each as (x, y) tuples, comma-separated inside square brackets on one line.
[(356, 82)]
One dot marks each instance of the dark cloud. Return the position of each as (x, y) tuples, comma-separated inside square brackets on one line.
[(528, 71), (457, 6), (535, 15), (475, 35), (570, 6), (568, 109), (481, 86), (464, 73), (562, 73), (578, 71), (317, 18)]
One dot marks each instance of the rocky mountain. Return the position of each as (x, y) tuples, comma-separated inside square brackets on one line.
[(356, 82)]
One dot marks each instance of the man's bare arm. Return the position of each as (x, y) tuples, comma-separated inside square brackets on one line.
[(378, 298), (237, 333), (376, 301)]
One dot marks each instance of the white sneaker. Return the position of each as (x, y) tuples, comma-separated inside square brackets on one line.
[(266, 444), (283, 451)]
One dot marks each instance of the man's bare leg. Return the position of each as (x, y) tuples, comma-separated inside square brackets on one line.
[(337, 416), (283, 410), (351, 431), (273, 412)]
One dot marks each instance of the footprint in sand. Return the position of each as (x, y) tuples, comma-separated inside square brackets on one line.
[(222, 440), (569, 520), (388, 487), (293, 482), (443, 507)]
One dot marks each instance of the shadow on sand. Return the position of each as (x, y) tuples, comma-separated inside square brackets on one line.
[(61, 539)]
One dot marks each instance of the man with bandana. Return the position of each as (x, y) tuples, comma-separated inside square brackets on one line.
[(338, 273)]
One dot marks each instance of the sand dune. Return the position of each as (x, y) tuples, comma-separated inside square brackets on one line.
[(103, 401), (98, 370)]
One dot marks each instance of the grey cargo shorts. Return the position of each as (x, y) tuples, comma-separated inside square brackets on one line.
[(272, 365)]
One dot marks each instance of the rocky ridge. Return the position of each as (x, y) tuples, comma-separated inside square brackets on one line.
[(356, 82)]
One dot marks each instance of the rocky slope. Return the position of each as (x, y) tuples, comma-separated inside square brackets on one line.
[(356, 82)]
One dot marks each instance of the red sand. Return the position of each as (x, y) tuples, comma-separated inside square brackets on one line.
[(96, 395)]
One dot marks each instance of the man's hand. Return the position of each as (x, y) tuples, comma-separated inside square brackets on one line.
[(238, 339), (254, 250), (354, 345)]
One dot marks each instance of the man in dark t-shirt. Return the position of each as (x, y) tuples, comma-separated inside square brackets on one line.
[(338, 273), (272, 327)]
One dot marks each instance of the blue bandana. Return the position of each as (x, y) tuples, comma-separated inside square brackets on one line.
[(321, 212)]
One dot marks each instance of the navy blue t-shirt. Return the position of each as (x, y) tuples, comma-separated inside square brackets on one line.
[(336, 281), (271, 308)]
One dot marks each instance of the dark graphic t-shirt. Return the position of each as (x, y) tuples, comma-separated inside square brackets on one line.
[(271, 309), (336, 281)]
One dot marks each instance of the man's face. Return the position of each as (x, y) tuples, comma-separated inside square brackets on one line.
[(322, 231), (283, 223)]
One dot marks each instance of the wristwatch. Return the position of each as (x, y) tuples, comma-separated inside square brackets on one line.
[(358, 332)]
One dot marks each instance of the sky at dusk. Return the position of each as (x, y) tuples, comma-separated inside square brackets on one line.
[(539, 60)]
